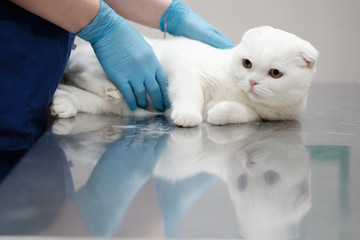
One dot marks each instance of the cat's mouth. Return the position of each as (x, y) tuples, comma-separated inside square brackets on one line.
[(260, 94), (253, 94)]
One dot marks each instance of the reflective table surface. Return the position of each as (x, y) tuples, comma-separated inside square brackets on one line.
[(112, 177)]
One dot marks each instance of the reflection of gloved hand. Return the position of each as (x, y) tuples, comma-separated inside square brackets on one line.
[(119, 174), (176, 198), (182, 21), (138, 148), (127, 59)]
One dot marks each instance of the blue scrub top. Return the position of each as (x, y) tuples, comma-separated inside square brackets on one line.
[(33, 56)]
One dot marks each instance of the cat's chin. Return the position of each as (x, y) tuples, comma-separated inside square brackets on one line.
[(255, 97)]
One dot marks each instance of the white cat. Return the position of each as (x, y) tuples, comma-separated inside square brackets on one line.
[(267, 76)]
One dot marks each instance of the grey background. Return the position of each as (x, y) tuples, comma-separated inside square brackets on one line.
[(332, 26)]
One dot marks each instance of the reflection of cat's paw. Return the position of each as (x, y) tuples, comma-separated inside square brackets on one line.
[(186, 118), (230, 133), (62, 126), (111, 134), (63, 107), (112, 94), (186, 133)]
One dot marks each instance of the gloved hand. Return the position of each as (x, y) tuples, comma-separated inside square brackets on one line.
[(127, 59), (182, 21)]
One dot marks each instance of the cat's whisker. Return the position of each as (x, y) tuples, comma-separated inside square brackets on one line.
[(265, 92), (287, 99), (262, 156)]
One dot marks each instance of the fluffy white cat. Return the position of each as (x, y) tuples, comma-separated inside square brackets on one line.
[(266, 76)]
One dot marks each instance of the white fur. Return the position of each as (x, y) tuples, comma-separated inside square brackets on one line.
[(206, 83)]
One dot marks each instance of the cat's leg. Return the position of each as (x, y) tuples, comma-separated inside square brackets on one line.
[(62, 105), (85, 71), (186, 102), (227, 112), (68, 100), (112, 93), (98, 84)]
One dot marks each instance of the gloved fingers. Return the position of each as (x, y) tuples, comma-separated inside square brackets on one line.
[(140, 92), (128, 94), (161, 145), (144, 139), (137, 142), (131, 133), (163, 83), (154, 92), (118, 147), (185, 22), (219, 40)]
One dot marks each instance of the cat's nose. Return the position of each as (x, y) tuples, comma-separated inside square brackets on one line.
[(253, 82)]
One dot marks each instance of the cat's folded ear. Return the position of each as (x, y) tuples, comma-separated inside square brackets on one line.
[(309, 55)]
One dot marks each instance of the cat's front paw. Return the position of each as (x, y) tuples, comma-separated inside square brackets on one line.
[(112, 94), (186, 118), (63, 107), (225, 113)]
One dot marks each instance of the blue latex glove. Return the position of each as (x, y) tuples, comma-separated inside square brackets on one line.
[(182, 21), (127, 59)]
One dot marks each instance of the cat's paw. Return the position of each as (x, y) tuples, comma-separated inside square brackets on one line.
[(62, 126), (186, 118), (225, 113), (63, 107), (112, 94)]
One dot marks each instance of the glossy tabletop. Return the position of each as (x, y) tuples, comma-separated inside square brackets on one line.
[(108, 176)]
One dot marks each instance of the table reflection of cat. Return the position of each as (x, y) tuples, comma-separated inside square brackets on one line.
[(265, 166)]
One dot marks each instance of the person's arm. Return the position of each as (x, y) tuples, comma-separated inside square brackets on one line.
[(146, 12), (124, 54), (70, 15), (181, 20)]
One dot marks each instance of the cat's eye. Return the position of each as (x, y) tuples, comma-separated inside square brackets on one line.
[(271, 177), (275, 73), (246, 63), (242, 182)]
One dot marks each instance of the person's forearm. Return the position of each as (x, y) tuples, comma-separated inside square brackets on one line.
[(146, 12), (71, 15)]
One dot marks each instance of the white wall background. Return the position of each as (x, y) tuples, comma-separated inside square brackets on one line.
[(332, 26)]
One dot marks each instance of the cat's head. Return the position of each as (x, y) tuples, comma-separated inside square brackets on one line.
[(269, 181), (274, 67)]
